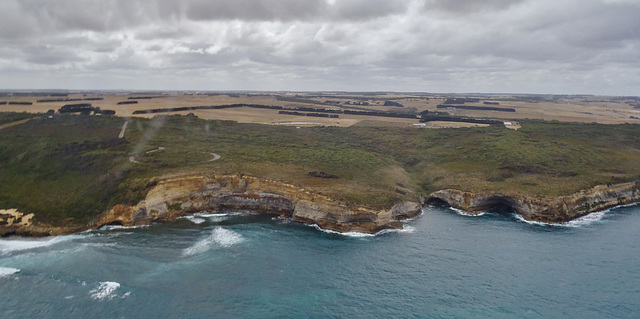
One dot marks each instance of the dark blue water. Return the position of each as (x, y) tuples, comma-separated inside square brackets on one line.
[(446, 265)]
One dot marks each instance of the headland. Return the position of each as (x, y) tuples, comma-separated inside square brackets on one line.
[(365, 163)]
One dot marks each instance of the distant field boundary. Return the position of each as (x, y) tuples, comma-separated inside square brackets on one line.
[(476, 108), (303, 109), (330, 113), (70, 100)]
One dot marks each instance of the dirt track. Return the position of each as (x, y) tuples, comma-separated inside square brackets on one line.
[(7, 125)]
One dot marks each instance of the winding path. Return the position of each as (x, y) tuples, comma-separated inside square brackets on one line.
[(124, 128), (132, 158), (7, 125), (215, 157)]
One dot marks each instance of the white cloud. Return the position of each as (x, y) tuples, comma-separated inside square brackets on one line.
[(539, 46)]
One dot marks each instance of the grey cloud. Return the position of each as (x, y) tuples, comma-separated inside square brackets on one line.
[(325, 44), (37, 17), (255, 10), (127, 60), (294, 10), (14, 24), (368, 9), (41, 54), (162, 32), (604, 27), (203, 61), (469, 6)]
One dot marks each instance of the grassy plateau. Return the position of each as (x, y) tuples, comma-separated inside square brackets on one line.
[(70, 168)]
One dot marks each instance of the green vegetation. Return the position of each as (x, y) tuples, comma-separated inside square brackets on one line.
[(71, 168), (13, 117)]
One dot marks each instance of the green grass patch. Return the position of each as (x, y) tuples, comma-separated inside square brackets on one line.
[(8, 117), (71, 168)]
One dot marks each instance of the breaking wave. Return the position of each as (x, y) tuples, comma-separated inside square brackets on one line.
[(463, 213), (532, 222), (354, 234), (201, 218), (12, 245), (8, 271), (118, 227), (219, 236), (195, 219), (587, 219), (207, 215), (211, 217), (578, 222), (105, 290)]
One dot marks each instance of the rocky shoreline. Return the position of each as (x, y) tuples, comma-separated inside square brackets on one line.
[(538, 208), (180, 196), (175, 197)]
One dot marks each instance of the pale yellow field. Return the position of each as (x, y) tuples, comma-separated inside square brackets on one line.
[(444, 124), (597, 109)]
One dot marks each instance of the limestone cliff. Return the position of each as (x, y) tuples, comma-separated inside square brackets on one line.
[(13, 222), (176, 197), (542, 208), (179, 196)]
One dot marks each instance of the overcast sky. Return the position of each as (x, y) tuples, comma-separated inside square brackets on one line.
[(492, 46)]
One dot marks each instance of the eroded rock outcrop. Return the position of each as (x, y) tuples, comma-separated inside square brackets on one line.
[(13, 222), (181, 196), (541, 208)]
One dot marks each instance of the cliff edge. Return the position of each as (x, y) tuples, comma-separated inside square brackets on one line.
[(540, 208), (181, 196)]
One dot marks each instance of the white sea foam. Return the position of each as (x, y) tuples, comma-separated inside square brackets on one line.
[(405, 229), (347, 234), (463, 213), (195, 219), (594, 217), (225, 238), (8, 271), (217, 219), (105, 290), (201, 218), (13, 245), (578, 222), (532, 222), (207, 215), (586, 219), (118, 227), (219, 236)]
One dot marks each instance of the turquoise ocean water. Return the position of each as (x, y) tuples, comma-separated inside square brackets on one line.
[(443, 265)]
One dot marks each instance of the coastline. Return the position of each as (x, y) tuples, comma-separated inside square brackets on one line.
[(177, 197), (537, 208), (187, 195)]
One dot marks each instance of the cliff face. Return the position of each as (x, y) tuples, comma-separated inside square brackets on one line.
[(185, 195), (541, 208), (181, 196), (13, 222)]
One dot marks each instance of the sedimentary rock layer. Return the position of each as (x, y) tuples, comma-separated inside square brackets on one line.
[(541, 208), (181, 196)]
